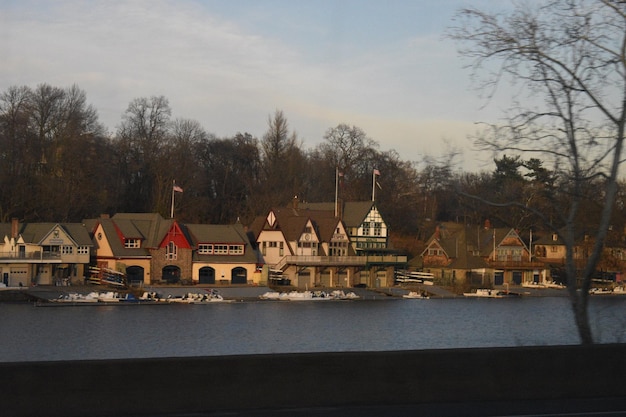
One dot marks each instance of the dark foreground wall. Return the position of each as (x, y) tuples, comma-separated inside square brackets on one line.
[(206, 384)]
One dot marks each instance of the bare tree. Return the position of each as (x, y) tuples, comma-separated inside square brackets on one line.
[(354, 153), (568, 58), (282, 161), (141, 137)]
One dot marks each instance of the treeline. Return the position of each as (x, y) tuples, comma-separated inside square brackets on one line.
[(59, 163)]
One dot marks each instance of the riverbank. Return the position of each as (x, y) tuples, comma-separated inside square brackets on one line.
[(251, 293)]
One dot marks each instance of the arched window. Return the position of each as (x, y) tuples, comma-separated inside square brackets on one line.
[(171, 251)]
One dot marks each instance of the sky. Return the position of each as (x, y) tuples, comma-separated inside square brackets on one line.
[(385, 67)]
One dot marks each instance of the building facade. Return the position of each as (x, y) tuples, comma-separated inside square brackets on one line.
[(43, 253)]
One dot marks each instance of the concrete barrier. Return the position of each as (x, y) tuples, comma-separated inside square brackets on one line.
[(255, 382)]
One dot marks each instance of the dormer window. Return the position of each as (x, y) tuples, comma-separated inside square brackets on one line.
[(132, 243), (555, 237)]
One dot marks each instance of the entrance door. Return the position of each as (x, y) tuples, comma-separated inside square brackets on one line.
[(171, 274), (134, 275), (239, 275), (206, 275), (517, 277), (498, 278)]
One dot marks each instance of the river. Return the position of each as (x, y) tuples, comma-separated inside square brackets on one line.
[(29, 333)]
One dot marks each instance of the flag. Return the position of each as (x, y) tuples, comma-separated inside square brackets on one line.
[(340, 173), (376, 172), (177, 189)]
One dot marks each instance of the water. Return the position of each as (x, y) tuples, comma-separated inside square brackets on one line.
[(29, 333)]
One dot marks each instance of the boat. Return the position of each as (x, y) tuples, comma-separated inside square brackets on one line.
[(600, 291), (416, 295), (108, 297), (489, 293), (211, 296), (77, 298), (404, 276), (533, 284), (308, 295), (620, 289)]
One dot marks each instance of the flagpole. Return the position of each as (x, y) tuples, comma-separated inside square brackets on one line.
[(373, 184), (172, 210), (336, 191)]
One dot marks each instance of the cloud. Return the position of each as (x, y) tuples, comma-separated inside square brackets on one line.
[(230, 70)]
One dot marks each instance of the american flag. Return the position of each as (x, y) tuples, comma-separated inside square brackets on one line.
[(178, 189), (376, 172)]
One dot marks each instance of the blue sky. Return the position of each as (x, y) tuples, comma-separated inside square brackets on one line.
[(382, 66)]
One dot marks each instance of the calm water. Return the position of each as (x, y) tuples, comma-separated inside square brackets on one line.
[(29, 333)]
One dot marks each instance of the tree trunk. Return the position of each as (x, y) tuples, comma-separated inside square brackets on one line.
[(581, 316)]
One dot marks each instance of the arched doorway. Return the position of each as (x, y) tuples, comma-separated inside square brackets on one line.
[(239, 275), (134, 274), (206, 275), (171, 274)]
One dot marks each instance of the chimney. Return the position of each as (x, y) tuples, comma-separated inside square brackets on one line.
[(295, 202), (487, 224), (15, 223)]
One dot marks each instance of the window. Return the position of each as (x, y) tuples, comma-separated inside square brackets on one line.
[(338, 248), (366, 228), (132, 243), (83, 250), (220, 250), (377, 229), (205, 249), (281, 250), (517, 255), (235, 250), (67, 250), (171, 251)]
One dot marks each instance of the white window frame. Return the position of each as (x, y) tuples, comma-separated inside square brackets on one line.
[(171, 251)]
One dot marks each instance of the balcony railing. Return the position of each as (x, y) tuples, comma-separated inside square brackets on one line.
[(310, 260), (30, 257)]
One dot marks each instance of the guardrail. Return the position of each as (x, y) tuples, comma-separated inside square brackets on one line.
[(304, 260), (32, 256)]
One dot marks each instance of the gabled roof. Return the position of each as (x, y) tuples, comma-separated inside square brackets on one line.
[(292, 221), (216, 233), (34, 233), (353, 212), (327, 227), (221, 234), (150, 228), (468, 247)]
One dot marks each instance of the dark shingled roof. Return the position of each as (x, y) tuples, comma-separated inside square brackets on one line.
[(468, 247), (36, 232), (233, 234), (353, 212)]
